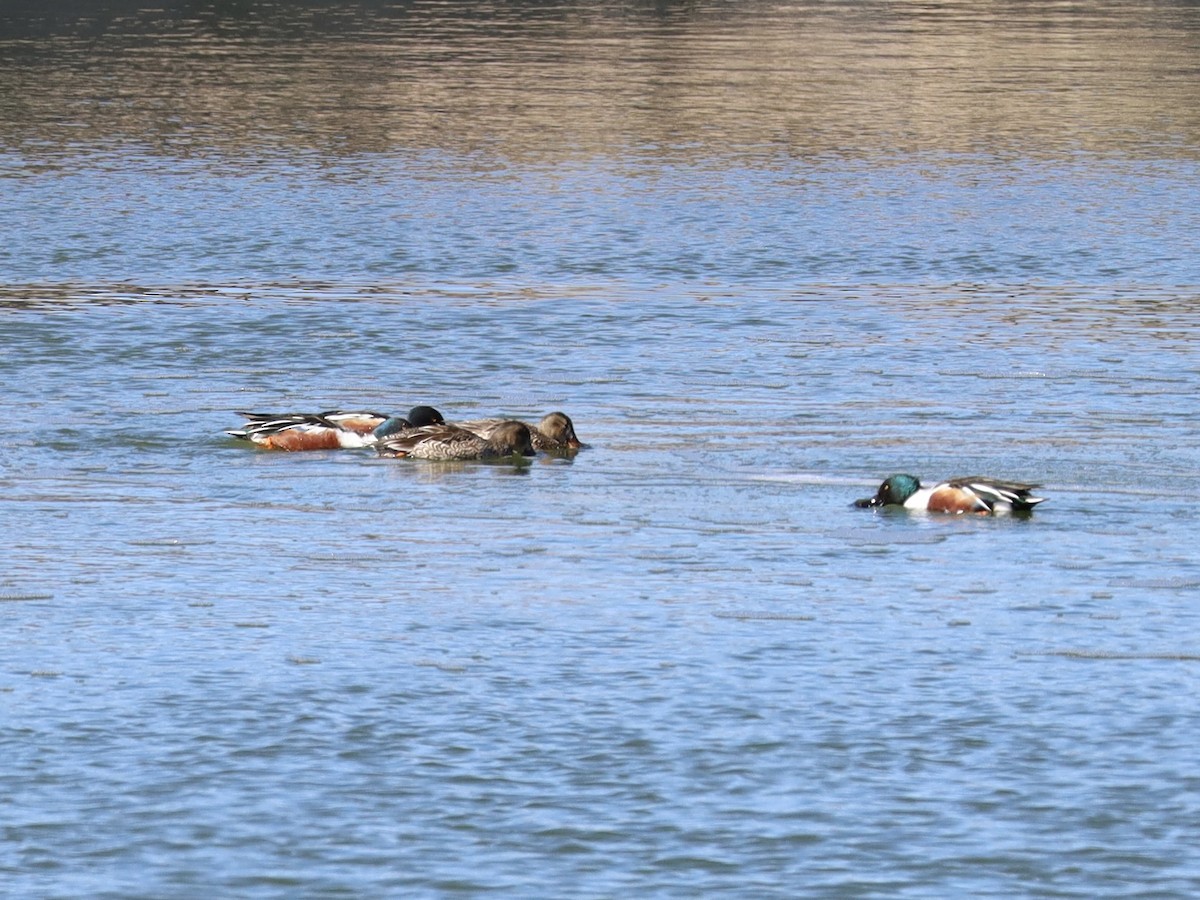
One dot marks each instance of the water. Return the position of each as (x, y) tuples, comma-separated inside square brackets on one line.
[(764, 256)]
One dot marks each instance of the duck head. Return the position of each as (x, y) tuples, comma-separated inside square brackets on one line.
[(390, 426), (512, 439), (560, 429), (420, 416), (893, 492)]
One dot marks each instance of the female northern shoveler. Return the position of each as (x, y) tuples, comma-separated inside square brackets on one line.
[(971, 494), (555, 433), (329, 430), (449, 442)]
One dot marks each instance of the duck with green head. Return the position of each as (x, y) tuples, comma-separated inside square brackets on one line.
[(330, 430), (975, 494)]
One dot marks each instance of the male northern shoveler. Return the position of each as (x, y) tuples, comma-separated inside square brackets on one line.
[(555, 433), (450, 442), (971, 494), (329, 430)]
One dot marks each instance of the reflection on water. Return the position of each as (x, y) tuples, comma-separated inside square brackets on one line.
[(645, 143), (529, 81)]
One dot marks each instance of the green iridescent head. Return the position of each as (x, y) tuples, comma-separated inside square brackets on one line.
[(393, 425), (892, 492)]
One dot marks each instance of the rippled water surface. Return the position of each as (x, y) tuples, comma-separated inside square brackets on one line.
[(764, 255)]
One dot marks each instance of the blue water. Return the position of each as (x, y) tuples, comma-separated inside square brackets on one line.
[(942, 219), (681, 663)]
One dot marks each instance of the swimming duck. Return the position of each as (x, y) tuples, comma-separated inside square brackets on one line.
[(450, 442), (970, 494), (329, 430), (555, 433)]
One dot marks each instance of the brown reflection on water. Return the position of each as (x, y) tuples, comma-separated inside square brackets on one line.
[(556, 82)]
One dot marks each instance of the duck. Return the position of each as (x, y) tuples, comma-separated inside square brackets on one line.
[(554, 433), (975, 494), (329, 430), (508, 439)]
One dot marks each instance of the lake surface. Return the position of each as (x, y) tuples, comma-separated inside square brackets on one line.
[(764, 255)]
